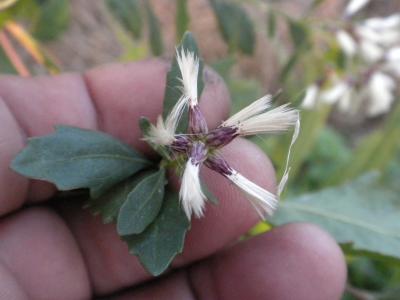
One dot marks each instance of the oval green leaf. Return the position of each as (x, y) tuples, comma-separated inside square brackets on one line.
[(109, 204), (73, 158), (362, 215), (142, 205), (157, 246)]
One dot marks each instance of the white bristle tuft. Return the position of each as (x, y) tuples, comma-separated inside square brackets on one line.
[(253, 109), (263, 201), (190, 194), (189, 67)]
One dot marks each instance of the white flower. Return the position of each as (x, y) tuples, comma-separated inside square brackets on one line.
[(370, 51), (393, 55), (310, 99), (380, 88), (346, 42), (390, 22), (189, 67), (190, 194), (383, 37), (354, 6), (263, 201), (335, 93), (200, 146), (392, 64)]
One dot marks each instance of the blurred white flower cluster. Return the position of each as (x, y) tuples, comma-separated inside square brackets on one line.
[(372, 46)]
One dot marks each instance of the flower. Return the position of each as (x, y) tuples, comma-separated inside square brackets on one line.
[(346, 42), (355, 6), (201, 146), (380, 89), (311, 96)]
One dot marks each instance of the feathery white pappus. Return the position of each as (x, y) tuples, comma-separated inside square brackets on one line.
[(164, 132), (190, 194), (253, 109), (189, 66), (263, 201), (255, 120)]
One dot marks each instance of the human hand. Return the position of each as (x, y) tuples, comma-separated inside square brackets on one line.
[(59, 251)]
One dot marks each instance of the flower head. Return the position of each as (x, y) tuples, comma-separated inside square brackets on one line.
[(201, 147)]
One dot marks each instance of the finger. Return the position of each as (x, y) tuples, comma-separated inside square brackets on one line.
[(297, 261), (121, 94), (110, 265), (39, 258), (172, 287), (36, 105)]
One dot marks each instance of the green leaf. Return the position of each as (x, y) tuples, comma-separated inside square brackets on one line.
[(109, 204), (54, 16), (73, 158), (128, 13), (156, 42), (271, 24), (363, 214), (142, 205), (173, 87), (236, 27), (157, 246), (182, 18), (299, 33)]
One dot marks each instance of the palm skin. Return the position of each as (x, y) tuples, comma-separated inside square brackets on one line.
[(59, 251)]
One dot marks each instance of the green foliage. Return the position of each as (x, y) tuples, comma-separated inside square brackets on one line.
[(182, 18), (109, 204), (142, 204), (271, 21), (299, 34), (163, 239), (328, 155), (155, 38), (73, 158), (236, 26), (173, 87), (23, 9), (129, 14), (362, 215), (375, 152), (53, 19)]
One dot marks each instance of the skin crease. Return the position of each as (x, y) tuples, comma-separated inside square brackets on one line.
[(68, 254)]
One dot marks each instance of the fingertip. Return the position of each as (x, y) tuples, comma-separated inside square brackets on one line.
[(295, 261)]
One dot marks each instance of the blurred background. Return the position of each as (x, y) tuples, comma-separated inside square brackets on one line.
[(338, 61)]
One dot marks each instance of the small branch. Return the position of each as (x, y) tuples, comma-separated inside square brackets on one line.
[(25, 40)]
